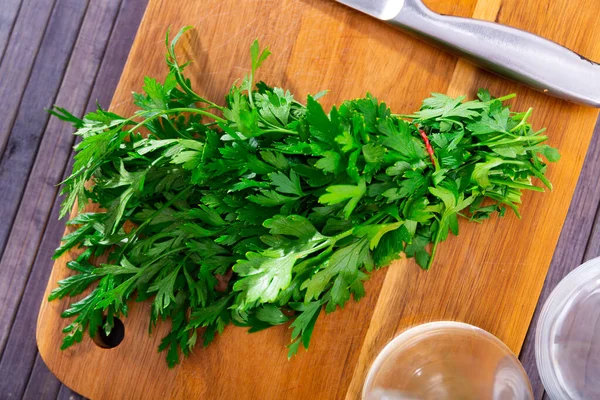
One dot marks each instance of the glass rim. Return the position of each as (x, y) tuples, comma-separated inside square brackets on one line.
[(417, 330), (553, 308)]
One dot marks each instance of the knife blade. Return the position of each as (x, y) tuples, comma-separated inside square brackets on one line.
[(521, 56), (382, 10)]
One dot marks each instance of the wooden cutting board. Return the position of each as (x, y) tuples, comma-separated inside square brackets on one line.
[(490, 277)]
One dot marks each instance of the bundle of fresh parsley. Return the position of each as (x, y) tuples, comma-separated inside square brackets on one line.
[(266, 210)]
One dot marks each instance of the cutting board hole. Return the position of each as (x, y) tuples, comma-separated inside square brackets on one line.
[(114, 338)]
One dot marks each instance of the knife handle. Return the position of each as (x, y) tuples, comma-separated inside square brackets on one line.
[(518, 55)]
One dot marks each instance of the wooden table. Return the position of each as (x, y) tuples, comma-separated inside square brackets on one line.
[(71, 52), (67, 52)]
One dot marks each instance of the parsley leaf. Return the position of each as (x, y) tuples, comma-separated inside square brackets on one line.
[(263, 211)]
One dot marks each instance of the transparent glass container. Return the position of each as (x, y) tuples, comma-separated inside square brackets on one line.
[(446, 360), (567, 342)]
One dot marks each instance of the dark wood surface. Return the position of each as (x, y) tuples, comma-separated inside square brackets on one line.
[(65, 52), (71, 53)]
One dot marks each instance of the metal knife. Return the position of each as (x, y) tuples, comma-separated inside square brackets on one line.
[(518, 55)]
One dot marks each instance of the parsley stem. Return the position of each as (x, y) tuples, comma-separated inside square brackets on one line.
[(197, 98), (533, 170), (210, 103), (174, 111), (513, 140), (343, 235), (523, 120), (177, 130), (178, 69), (280, 130), (504, 200), (275, 128), (330, 242), (436, 241), (296, 102), (168, 253), (516, 185), (144, 122), (374, 218), (504, 98), (195, 111)]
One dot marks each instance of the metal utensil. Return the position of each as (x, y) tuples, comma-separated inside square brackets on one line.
[(518, 55)]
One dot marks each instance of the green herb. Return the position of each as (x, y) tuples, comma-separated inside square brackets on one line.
[(265, 211)]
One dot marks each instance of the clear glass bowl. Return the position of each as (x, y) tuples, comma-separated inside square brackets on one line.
[(567, 342), (446, 360)]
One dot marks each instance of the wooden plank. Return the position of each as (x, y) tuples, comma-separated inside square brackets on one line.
[(19, 57), (117, 51), (18, 357), (8, 15), (490, 284), (45, 386), (113, 60), (40, 93), (570, 251), (20, 351), (90, 56), (48, 169), (67, 394), (38, 381), (593, 244)]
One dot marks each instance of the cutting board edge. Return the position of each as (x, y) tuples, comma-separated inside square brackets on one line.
[(46, 351)]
